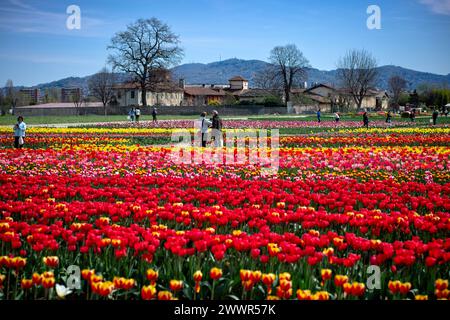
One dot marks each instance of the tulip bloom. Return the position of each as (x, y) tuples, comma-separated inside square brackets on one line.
[(198, 275), (176, 285), (340, 280), (26, 283), (215, 273), (48, 282), (148, 292), (165, 295), (268, 279), (152, 276), (51, 262)]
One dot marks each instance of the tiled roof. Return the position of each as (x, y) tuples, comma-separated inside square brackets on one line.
[(237, 78), (203, 91), (159, 87)]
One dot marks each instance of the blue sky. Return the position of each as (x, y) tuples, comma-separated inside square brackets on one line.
[(36, 46)]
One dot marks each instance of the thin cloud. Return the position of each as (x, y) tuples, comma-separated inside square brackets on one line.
[(46, 59), (17, 16), (438, 6)]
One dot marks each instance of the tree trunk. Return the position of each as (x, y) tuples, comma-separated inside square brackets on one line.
[(287, 96), (105, 106), (144, 95)]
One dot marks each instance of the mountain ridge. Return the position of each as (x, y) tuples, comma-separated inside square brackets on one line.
[(219, 72)]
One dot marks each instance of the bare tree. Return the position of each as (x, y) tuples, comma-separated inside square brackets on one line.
[(146, 45), (11, 95), (357, 73), (101, 86), (77, 99), (289, 67), (268, 79), (396, 84)]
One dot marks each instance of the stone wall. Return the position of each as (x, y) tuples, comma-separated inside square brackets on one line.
[(181, 110)]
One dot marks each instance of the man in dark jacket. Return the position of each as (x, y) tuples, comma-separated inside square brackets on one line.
[(366, 120), (435, 116), (217, 129)]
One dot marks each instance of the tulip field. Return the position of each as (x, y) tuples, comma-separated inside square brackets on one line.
[(110, 201)]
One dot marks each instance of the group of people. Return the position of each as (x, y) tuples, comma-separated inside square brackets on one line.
[(215, 123), (134, 114), (337, 116)]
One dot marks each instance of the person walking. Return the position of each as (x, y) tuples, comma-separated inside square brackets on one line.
[(337, 117), (389, 117), (318, 115), (154, 113), (366, 120), (19, 133), (137, 112), (435, 116), (131, 114), (412, 115), (217, 129), (204, 125)]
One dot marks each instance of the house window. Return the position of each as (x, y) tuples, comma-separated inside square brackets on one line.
[(119, 94), (132, 94)]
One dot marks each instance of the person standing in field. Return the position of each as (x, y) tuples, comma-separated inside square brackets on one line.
[(137, 113), (435, 116), (389, 117), (217, 129), (337, 117), (204, 125), (366, 120), (19, 133), (154, 113), (318, 115)]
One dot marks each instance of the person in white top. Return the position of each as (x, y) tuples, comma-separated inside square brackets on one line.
[(337, 117), (19, 132), (204, 124)]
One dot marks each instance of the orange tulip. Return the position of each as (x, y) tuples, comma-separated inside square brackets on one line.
[(48, 282), (394, 286), (215, 273), (18, 262), (26, 283), (285, 276), (326, 274), (304, 295), (2, 279), (268, 279), (405, 287), (255, 277), (152, 276), (198, 275), (105, 288), (176, 285), (165, 295), (441, 284), (148, 292), (37, 279), (87, 273), (321, 295), (285, 285), (51, 261), (340, 280), (245, 275)]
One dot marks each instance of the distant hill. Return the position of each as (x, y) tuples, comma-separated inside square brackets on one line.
[(220, 72)]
